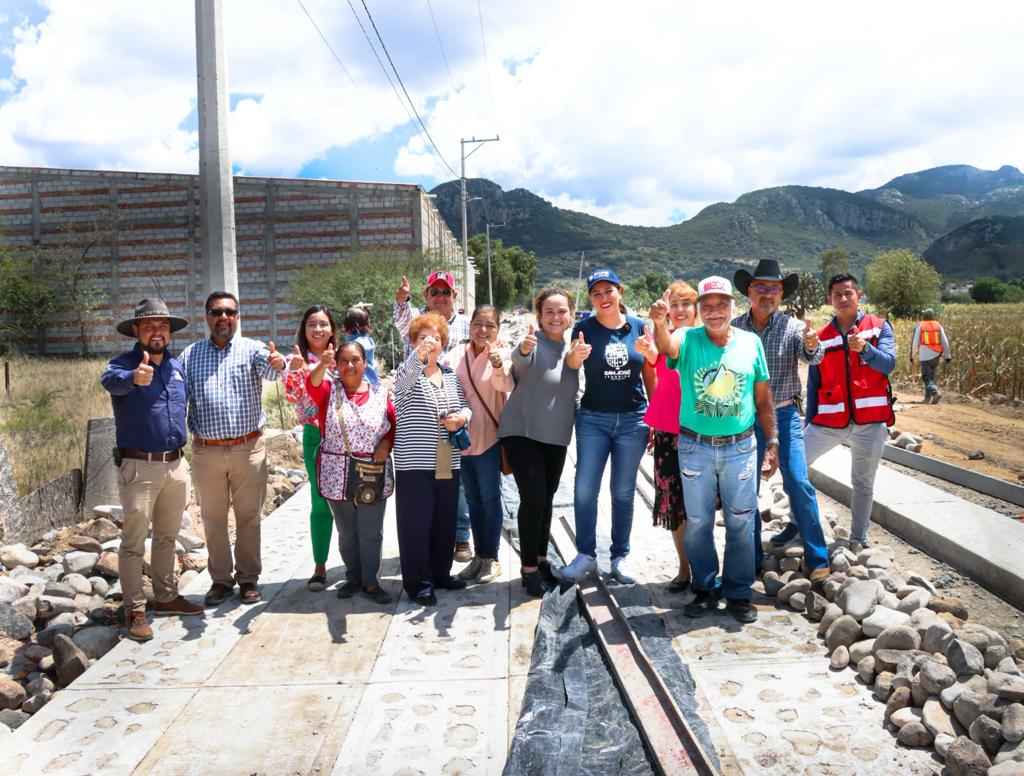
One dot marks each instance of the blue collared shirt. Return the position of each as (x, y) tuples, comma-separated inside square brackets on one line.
[(880, 357), (147, 417), (225, 387)]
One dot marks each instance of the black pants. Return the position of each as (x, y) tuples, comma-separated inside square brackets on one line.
[(425, 510), (537, 468)]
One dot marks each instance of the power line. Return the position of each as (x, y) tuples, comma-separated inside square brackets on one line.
[(487, 65), (440, 45), (412, 105), (330, 48)]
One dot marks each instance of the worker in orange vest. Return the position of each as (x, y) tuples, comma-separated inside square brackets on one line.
[(929, 344)]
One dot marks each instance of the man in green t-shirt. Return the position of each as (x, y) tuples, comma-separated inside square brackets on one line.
[(725, 388)]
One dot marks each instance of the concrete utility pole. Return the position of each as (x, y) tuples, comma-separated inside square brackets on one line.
[(490, 283), (464, 198), (216, 192)]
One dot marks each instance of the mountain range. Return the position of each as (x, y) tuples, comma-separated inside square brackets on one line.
[(967, 222)]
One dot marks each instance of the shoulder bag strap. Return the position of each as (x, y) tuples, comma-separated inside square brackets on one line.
[(469, 371)]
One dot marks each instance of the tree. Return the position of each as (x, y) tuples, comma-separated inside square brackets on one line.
[(988, 290), (833, 262), (513, 270), (810, 295), (642, 293), (902, 283), (25, 297)]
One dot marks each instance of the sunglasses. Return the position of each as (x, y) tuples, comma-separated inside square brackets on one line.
[(439, 291), (763, 289), (221, 312)]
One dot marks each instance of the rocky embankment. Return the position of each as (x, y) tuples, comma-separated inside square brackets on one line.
[(946, 682)]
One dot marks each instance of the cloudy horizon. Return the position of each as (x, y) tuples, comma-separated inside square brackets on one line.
[(639, 115)]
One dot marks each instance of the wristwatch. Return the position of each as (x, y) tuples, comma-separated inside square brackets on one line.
[(772, 441)]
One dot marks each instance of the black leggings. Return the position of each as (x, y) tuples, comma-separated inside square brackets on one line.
[(537, 468)]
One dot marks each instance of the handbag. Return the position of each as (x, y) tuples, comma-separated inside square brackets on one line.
[(461, 440), (506, 467), (365, 481)]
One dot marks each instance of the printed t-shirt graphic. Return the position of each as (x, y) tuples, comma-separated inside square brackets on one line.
[(719, 391), (613, 382)]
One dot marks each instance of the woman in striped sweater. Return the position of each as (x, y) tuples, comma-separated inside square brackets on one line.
[(430, 405)]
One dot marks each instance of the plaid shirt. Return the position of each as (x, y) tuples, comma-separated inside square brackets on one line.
[(226, 387), (458, 326), (783, 340)]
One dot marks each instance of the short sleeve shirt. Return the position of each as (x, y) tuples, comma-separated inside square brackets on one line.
[(613, 371), (717, 384)]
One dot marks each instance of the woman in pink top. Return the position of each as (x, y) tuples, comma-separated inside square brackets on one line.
[(485, 374), (663, 417)]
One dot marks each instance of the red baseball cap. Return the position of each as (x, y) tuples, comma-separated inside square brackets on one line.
[(441, 276)]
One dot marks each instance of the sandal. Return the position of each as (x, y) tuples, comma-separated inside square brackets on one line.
[(316, 583), (678, 585), (249, 593)]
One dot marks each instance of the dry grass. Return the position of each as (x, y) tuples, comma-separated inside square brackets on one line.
[(43, 423)]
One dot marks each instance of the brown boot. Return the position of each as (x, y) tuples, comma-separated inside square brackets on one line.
[(138, 628), (462, 552), (177, 605)]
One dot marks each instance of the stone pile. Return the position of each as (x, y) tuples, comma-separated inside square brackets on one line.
[(946, 682), (282, 482), (59, 606)]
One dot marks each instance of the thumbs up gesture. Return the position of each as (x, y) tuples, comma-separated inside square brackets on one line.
[(402, 294), (645, 347), (297, 362), (579, 352), (275, 359), (529, 342), (143, 372), (327, 358), (810, 336), (659, 310), (494, 356), (855, 341)]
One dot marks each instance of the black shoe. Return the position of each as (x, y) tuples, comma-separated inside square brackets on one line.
[(348, 590), (378, 595), (704, 603), (678, 585), (533, 581), (452, 583), (217, 594), (741, 609), (546, 574), (427, 599)]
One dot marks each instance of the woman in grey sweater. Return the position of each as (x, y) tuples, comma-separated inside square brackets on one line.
[(537, 425)]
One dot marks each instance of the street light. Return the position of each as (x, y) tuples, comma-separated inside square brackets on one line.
[(490, 285)]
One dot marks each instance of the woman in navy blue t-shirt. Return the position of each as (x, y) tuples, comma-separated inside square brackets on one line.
[(610, 422)]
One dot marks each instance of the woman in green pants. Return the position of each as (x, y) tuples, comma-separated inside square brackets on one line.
[(316, 332)]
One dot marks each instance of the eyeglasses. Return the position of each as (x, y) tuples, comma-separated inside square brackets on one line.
[(763, 289), (439, 291), (220, 312)]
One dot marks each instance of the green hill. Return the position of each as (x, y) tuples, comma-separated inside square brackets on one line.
[(993, 246)]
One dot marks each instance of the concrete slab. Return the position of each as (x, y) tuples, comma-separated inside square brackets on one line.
[(428, 727), (978, 541)]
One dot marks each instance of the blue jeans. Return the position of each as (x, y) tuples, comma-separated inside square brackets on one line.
[(803, 499), (729, 471), (462, 517), (623, 436), (481, 478)]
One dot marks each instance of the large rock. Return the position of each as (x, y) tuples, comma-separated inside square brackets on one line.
[(13, 555), (897, 637), (967, 707), (949, 605), (102, 530), (36, 702), (790, 588), (840, 657), (1013, 723), (79, 562), (883, 686), (59, 590), (843, 632), (987, 733), (1007, 686), (69, 660), (881, 618), (964, 659), (1008, 752), (78, 583), (899, 698), (866, 669), (936, 677), (966, 758), (915, 734), (192, 542), (14, 624), (61, 625), (1007, 768), (937, 637), (918, 599), (936, 718), (861, 649), (815, 606), (107, 564), (832, 613), (12, 719), (96, 641), (12, 694), (860, 598), (905, 716), (85, 543), (48, 606)]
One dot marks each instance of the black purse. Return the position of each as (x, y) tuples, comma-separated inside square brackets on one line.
[(365, 483), (460, 440)]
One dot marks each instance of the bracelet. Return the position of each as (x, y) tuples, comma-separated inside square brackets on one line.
[(772, 441)]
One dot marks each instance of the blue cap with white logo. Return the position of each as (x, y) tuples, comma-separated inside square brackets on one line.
[(602, 275)]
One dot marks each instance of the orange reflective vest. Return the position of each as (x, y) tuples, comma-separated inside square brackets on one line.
[(850, 390), (931, 335)]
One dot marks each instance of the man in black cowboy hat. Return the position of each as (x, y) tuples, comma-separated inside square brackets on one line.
[(147, 391), (786, 342)]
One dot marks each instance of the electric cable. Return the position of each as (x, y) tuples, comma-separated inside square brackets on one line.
[(330, 48)]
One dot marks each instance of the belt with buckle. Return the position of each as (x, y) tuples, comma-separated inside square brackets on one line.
[(786, 403), (717, 441), (143, 455), (227, 442)]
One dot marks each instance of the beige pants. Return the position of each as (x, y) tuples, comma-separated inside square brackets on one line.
[(234, 476), (152, 493)]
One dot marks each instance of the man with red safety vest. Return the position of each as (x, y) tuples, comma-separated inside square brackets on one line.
[(849, 398), (928, 346)]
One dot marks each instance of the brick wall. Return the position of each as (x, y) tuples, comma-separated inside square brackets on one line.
[(281, 226)]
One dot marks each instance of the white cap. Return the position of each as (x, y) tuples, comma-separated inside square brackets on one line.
[(713, 285)]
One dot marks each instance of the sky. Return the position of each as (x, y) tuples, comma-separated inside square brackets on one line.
[(639, 113)]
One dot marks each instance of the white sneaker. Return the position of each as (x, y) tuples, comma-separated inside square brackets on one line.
[(621, 571), (581, 566)]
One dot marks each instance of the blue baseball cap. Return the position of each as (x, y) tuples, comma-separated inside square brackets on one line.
[(602, 275)]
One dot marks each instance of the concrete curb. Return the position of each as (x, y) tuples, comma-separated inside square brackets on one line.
[(977, 541)]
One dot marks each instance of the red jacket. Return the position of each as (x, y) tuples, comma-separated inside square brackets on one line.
[(850, 390)]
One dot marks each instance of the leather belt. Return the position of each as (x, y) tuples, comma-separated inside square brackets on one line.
[(786, 403), (142, 455), (227, 442), (717, 441)]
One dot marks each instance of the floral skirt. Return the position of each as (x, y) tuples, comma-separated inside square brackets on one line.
[(669, 509)]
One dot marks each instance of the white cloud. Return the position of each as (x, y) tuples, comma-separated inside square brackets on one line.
[(634, 114)]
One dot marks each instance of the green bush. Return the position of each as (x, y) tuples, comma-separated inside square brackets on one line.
[(901, 283)]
